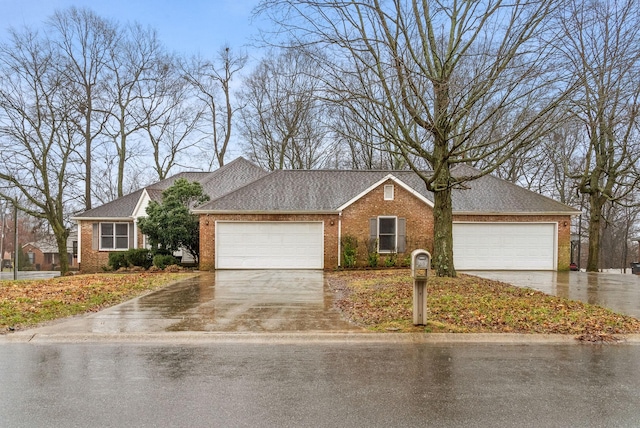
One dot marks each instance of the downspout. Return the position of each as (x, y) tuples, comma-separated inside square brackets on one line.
[(79, 243), (340, 239), (135, 232)]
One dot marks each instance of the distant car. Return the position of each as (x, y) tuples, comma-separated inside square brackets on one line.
[(6, 264), (573, 267)]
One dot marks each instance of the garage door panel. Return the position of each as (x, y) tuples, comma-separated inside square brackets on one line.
[(508, 246), (269, 245)]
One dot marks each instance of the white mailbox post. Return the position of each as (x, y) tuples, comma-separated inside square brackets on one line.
[(420, 265)]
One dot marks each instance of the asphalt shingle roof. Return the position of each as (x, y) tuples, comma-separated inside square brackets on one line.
[(233, 175), (120, 208), (298, 191), (327, 190), (241, 186)]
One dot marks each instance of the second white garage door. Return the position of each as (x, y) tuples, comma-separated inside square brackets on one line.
[(269, 245), (504, 246)]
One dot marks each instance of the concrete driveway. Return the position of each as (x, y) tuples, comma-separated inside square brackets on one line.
[(618, 292), (224, 301)]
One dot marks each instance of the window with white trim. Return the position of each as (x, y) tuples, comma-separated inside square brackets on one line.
[(388, 192), (114, 236), (387, 235)]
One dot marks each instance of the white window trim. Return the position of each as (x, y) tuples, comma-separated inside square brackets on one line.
[(389, 192), (101, 248), (395, 244)]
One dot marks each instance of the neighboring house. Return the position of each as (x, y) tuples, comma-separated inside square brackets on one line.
[(35, 255), (43, 254), (297, 219), (113, 226)]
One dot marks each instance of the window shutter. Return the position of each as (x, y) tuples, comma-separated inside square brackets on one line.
[(131, 232), (402, 239), (95, 238), (373, 229)]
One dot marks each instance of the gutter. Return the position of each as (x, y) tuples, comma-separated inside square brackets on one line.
[(527, 214), (263, 212), (102, 218), (340, 239)]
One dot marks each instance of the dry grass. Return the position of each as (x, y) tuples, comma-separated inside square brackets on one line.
[(382, 301), (27, 303)]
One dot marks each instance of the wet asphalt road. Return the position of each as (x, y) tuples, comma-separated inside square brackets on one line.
[(330, 384)]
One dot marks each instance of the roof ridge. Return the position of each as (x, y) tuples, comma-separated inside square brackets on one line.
[(268, 174), (390, 171)]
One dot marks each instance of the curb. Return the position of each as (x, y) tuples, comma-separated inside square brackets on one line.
[(186, 338)]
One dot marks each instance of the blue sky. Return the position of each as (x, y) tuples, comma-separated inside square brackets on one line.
[(184, 26)]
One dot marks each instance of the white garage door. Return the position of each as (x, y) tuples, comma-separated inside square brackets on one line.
[(504, 246), (269, 245)]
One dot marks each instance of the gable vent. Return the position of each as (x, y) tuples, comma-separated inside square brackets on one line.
[(388, 192)]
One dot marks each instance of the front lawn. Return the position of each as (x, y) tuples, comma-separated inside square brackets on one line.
[(383, 301), (26, 303)]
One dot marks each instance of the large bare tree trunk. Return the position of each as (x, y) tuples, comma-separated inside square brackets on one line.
[(596, 203), (443, 233), (61, 235)]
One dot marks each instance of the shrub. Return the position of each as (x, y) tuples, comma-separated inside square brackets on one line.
[(163, 260), (391, 260), (372, 253), (173, 268), (117, 260), (139, 257), (373, 259), (406, 262), (349, 251)]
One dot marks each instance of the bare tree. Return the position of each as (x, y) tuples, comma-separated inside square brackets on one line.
[(211, 81), (359, 126), (136, 63), (170, 138), (170, 119), (283, 116), (39, 139), (601, 46), (549, 167), (85, 41), (619, 226), (446, 74)]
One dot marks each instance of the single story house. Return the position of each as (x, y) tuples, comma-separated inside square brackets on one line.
[(43, 254), (113, 226), (299, 219)]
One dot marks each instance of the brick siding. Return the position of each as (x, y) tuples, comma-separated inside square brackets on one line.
[(418, 215)]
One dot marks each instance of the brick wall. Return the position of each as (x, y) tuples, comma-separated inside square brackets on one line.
[(207, 233), (418, 215), (94, 260), (564, 230), (90, 260), (38, 256)]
